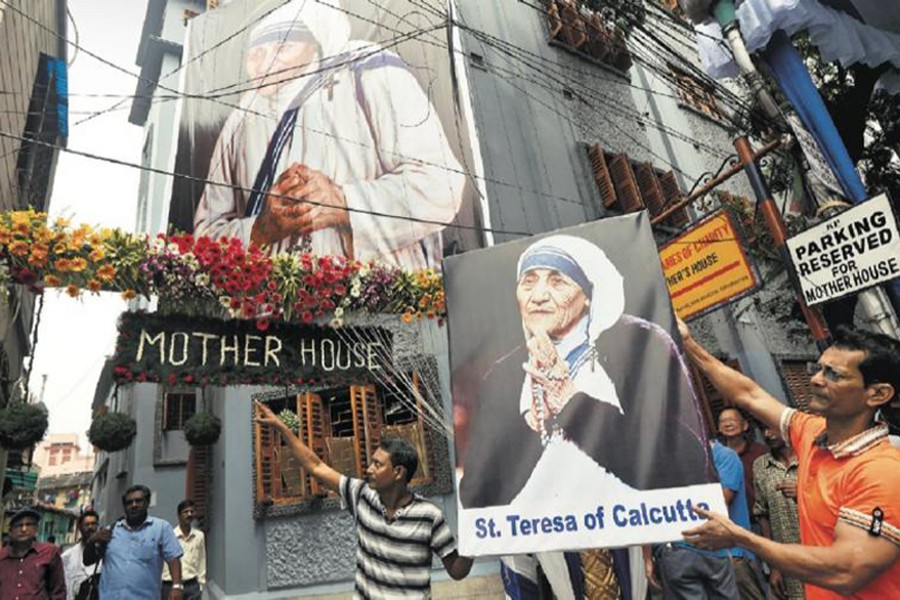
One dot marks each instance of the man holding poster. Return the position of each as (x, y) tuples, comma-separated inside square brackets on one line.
[(335, 149), (590, 424), (848, 476)]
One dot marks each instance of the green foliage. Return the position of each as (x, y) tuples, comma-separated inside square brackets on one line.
[(112, 431), (22, 425), (289, 418), (625, 15), (868, 123), (203, 429)]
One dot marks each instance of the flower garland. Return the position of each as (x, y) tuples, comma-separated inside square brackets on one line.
[(219, 278)]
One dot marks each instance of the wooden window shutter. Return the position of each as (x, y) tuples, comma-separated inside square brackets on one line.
[(573, 25), (367, 424), (423, 473), (313, 425), (554, 21), (417, 434), (198, 480), (266, 475), (600, 43), (651, 192), (711, 401), (797, 380), (672, 194), (626, 186), (601, 176)]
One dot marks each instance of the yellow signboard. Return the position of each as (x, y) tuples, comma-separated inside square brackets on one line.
[(706, 266)]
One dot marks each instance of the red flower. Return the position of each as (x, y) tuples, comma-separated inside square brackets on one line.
[(141, 377), (188, 378), (232, 287), (172, 379), (307, 317), (24, 276), (262, 324)]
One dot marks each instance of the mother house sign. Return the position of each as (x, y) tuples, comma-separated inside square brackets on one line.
[(177, 349)]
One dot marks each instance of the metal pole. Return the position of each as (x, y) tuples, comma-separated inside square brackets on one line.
[(712, 183), (776, 227)]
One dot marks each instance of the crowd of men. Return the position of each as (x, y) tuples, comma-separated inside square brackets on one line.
[(825, 500), (138, 557)]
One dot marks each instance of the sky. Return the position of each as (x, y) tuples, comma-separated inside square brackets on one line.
[(75, 336)]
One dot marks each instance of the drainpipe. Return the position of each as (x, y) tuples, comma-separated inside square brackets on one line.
[(726, 16)]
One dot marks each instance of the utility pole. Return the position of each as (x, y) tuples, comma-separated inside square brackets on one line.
[(777, 228)]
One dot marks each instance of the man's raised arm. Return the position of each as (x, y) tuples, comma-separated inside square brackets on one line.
[(734, 386), (308, 459)]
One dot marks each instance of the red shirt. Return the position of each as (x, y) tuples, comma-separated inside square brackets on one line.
[(36, 576), (845, 482)]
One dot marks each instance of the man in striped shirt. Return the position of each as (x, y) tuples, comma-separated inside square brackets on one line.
[(397, 530)]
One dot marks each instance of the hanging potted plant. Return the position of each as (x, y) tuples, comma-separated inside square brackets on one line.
[(112, 431), (22, 425), (202, 429)]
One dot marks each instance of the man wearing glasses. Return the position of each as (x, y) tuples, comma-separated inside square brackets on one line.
[(848, 475), (30, 569), (133, 551)]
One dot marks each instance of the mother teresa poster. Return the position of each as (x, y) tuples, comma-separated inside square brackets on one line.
[(328, 127), (576, 422)]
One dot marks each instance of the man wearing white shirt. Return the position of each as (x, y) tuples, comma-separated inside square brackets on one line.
[(193, 563), (73, 559)]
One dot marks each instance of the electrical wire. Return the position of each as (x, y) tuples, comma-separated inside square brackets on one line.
[(75, 29), (140, 167), (462, 26), (214, 96), (116, 161)]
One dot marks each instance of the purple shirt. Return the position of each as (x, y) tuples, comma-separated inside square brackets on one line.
[(36, 576)]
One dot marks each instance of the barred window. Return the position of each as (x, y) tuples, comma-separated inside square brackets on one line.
[(581, 30), (697, 94), (178, 408), (344, 427)]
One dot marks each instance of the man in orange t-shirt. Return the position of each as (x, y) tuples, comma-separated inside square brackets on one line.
[(849, 474)]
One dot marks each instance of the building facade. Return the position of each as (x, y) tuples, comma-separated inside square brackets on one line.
[(33, 123), (60, 454), (573, 122)]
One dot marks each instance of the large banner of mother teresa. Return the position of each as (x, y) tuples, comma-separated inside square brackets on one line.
[(576, 422), (334, 127)]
